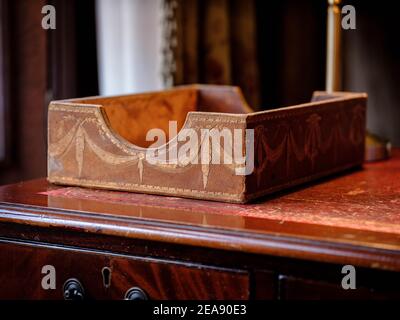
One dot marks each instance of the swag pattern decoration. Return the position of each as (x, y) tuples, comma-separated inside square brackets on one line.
[(78, 138), (269, 152)]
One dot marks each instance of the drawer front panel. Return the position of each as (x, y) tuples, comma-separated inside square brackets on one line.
[(21, 275), (293, 288)]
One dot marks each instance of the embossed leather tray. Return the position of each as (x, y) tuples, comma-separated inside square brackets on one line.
[(100, 142)]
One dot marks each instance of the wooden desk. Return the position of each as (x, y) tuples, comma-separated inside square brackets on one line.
[(290, 246)]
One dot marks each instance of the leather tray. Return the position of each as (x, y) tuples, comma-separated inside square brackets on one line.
[(100, 142)]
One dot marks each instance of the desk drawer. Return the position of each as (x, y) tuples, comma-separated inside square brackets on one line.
[(107, 276), (293, 288)]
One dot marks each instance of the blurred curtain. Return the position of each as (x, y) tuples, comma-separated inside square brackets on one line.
[(211, 41), (129, 45)]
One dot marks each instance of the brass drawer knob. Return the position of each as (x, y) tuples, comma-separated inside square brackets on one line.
[(136, 293), (73, 290)]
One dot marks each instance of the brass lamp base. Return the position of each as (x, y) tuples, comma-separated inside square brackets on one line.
[(376, 148)]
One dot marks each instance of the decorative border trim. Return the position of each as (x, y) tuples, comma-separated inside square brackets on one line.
[(192, 193)]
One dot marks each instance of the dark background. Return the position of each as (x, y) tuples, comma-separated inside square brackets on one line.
[(41, 65)]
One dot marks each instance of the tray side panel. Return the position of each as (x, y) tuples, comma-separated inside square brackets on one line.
[(84, 151), (299, 144)]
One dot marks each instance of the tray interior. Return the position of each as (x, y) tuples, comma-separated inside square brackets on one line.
[(132, 116)]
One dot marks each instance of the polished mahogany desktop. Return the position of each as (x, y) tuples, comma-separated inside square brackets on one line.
[(289, 246)]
